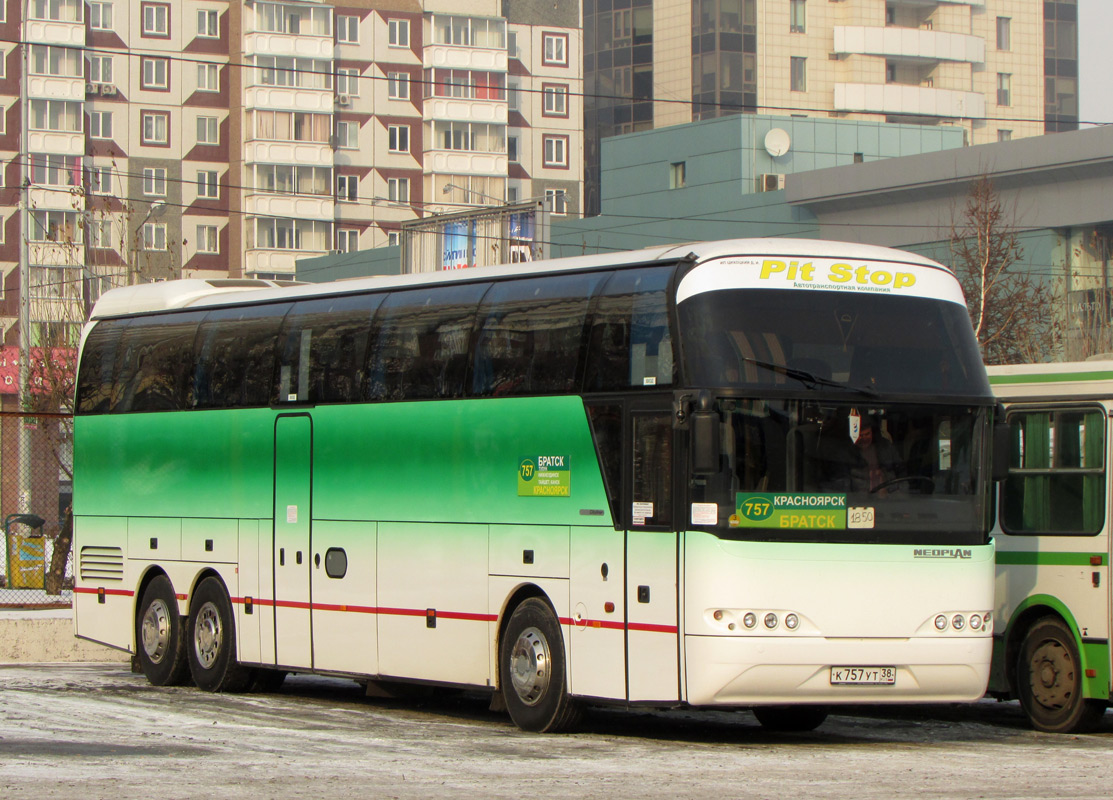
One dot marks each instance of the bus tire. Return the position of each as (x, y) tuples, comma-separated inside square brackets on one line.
[(1049, 680), (790, 719), (160, 635), (212, 641), (533, 670)]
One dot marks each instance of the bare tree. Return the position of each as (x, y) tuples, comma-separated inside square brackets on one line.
[(1010, 309)]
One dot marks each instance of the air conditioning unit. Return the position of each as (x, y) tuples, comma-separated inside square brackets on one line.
[(343, 100), (92, 88), (770, 182), (108, 89)]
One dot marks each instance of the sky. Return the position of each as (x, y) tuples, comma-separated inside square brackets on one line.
[(1095, 23)]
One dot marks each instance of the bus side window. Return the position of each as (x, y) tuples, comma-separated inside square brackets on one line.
[(630, 343), (234, 357), (652, 470), (156, 374), (606, 431), (98, 366)]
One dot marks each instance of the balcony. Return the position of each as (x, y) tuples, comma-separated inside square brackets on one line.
[(61, 143), (284, 44), (288, 98), (462, 162), (47, 31), (978, 3), (454, 57), (466, 110), (321, 207), (909, 43), (896, 98), (310, 154), (277, 260), (55, 87)]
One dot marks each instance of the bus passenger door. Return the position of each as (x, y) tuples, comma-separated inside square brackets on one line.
[(293, 442), (652, 634)]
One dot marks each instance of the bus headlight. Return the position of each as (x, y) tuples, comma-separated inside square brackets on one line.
[(791, 621), (770, 620), (958, 621), (941, 623), (749, 619)]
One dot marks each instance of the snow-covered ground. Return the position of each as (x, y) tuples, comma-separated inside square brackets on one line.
[(99, 731)]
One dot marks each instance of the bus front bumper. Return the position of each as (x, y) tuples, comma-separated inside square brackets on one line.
[(748, 671)]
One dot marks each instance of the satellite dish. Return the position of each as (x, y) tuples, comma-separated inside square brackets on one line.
[(777, 142)]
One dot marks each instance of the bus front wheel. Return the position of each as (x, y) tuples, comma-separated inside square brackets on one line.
[(532, 670), (212, 641), (1049, 681), (159, 635)]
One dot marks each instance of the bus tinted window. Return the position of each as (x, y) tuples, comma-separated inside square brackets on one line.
[(422, 339), (95, 386), (233, 359), (531, 335), (630, 340), (155, 363), (322, 354)]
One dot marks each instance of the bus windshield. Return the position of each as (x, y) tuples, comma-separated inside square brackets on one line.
[(807, 340), (807, 470)]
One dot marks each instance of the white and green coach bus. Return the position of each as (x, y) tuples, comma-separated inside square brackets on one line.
[(747, 473), (1053, 537)]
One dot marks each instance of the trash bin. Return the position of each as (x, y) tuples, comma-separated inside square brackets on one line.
[(26, 553)]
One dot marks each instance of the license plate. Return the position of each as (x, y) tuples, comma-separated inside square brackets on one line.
[(864, 675)]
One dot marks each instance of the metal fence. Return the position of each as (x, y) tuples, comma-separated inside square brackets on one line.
[(36, 491)]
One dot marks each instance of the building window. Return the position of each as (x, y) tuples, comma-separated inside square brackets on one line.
[(208, 130), (797, 17), (398, 32), (556, 151), (291, 19), (1004, 89), (208, 23), (56, 10), (1004, 135), (890, 72), (469, 31), (398, 138), (156, 20), (59, 61), (347, 30), (52, 170), (206, 183), (347, 82), (99, 233), (100, 16), (207, 240), (556, 201), (512, 44), (290, 179), (1004, 33), (799, 74), (156, 74), (208, 78), (154, 181), (398, 190), (347, 240), (677, 176), (100, 124), (347, 135), (555, 52), (556, 100), (54, 226), (513, 96), (155, 128), (347, 188), (398, 86), (154, 236), (479, 137), (100, 180), (291, 126), (55, 115), (512, 149), (100, 69), (392, 238)]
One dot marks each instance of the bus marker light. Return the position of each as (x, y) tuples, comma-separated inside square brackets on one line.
[(941, 623), (248, 605), (958, 622), (770, 620), (1095, 561), (100, 595), (791, 621), (608, 607), (987, 619), (1091, 673), (430, 618), (718, 615), (749, 619)]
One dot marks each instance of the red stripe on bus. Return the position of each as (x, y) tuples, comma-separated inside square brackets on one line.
[(117, 592)]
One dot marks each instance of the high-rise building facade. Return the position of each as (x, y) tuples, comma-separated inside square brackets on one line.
[(149, 139), (1000, 69)]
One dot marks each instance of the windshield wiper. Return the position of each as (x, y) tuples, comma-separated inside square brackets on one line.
[(809, 380)]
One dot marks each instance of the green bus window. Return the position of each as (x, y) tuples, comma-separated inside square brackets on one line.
[(421, 342), (630, 343), (155, 363), (1056, 481), (95, 385), (233, 357), (606, 431), (531, 335), (652, 470)]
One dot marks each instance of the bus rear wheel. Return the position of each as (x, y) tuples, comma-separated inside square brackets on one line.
[(790, 719), (159, 635), (533, 670), (1049, 681), (212, 641)]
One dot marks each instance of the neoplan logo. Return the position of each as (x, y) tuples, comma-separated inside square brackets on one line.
[(941, 552)]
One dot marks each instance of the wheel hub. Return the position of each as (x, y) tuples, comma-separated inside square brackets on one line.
[(207, 635), (155, 631), (529, 666), (1052, 676)]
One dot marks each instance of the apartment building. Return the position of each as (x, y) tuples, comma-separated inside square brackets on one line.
[(1000, 69), (149, 139)]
